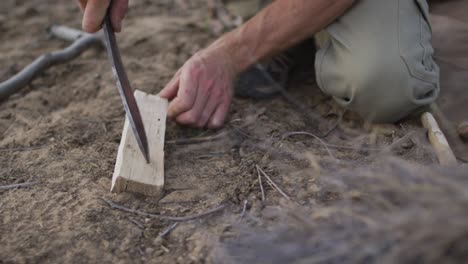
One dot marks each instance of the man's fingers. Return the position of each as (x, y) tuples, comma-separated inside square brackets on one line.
[(94, 13), (209, 109), (170, 91), (82, 4), (186, 95), (118, 11), (192, 116), (217, 119)]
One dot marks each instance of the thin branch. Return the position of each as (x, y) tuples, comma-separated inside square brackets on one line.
[(197, 140), (273, 183), (169, 230), (15, 186), (140, 225), (340, 118), (26, 75), (289, 134), (21, 148), (67, 33), (438, 140), (261, 184), (163, 217), (244, 209)]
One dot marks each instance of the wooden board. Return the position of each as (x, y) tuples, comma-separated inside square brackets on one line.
[(132, 173)]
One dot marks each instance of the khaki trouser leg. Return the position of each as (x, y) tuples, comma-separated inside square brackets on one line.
[(377, 59)]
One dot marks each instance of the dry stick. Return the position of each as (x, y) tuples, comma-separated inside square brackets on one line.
[(244, 209), (398, 142), (289, 134), (273, 183), (136, 223), (326, 134), (168, 230), (26, 75), (163, 217), (261, 184), (331, 145), (19, 185), (21, 149), (197, 140), (438, 140)]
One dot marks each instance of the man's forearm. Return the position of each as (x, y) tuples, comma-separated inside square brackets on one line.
[(279, 26)]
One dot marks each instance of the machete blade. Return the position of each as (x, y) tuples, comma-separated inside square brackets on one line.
[(125, 89)]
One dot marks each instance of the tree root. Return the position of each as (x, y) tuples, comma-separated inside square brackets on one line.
[(82, 42)]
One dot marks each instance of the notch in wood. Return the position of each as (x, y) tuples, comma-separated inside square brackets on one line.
[(132, 173)]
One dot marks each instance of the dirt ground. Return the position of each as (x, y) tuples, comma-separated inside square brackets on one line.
[(62, 132)]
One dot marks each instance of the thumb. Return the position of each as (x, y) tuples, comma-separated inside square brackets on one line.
[(94, 13)]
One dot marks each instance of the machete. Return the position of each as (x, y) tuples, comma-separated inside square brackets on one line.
[(125, 90)]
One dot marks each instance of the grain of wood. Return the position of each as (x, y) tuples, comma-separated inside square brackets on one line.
[(438, 140), (132, 173)]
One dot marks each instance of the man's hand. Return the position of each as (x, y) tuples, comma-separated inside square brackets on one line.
[(201, 91), (95, 10)]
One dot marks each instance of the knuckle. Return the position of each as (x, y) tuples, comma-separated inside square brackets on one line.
[(216, 94), (184, 105), (191, 118)]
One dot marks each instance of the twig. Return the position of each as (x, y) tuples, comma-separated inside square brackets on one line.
[(168, 230), (19, 185), (197, 140), (67, 33), (273, 183), (261, 184), (289, 134), (438, 140), (244, 209), (398, 142), (326, 134), (140, 225), (165, 249), (163, 217), (26, 75), (21, 149)]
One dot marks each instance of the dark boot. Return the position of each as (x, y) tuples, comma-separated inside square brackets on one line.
[(263, 79)]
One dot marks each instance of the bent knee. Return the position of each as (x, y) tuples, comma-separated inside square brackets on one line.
[(379, 88)]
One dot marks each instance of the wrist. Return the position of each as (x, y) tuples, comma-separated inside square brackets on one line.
[(238, 54)]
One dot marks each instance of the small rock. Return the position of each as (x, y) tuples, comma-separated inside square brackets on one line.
[(463, 130)]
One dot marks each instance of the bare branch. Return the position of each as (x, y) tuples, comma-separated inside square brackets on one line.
[(244, 210), (261, 184), (168, 230), (163, 217), (273, 183), (197, 140), (26, 75), (325, 145), (15, 186)]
